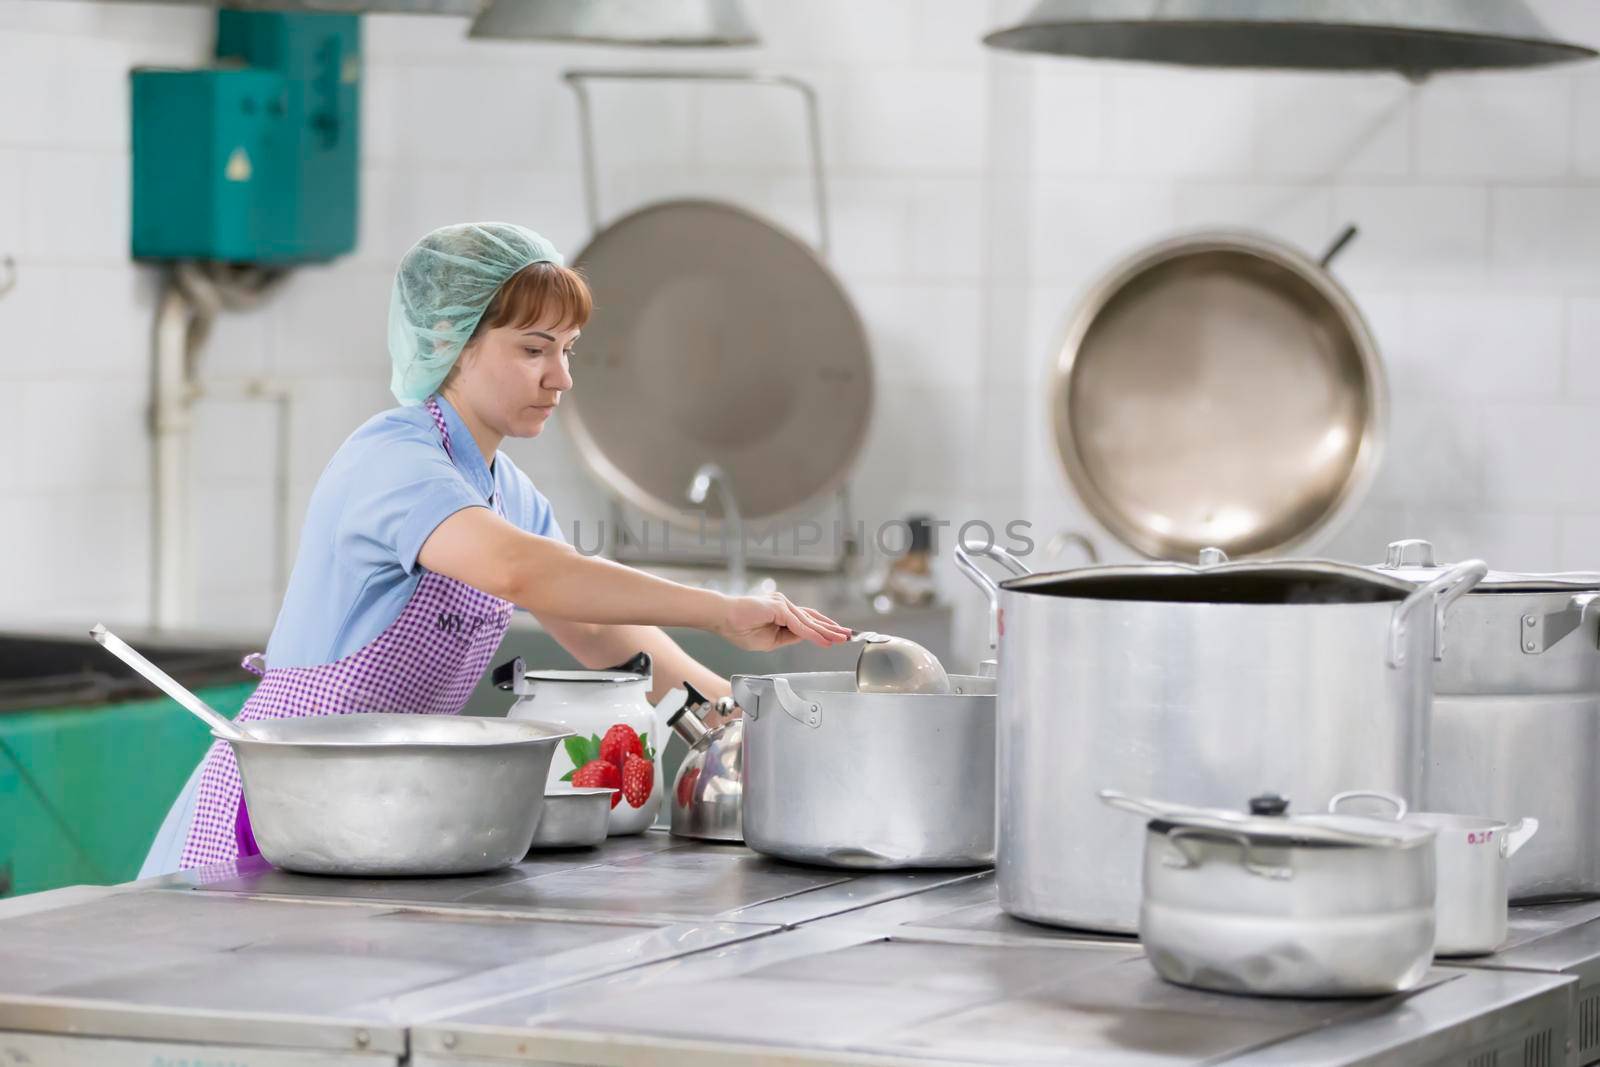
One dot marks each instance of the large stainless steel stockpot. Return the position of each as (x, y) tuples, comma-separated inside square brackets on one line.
[(874, 780), (1201, 683), (385, 794), (1270, 904), (1516, 716)]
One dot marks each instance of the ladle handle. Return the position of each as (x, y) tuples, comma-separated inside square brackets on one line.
[(168, 685)]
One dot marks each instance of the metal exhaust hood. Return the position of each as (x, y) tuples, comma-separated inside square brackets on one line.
[(652, 23), (1415, 38)]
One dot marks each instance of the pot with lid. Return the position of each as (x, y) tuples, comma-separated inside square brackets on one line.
[(1516, 715), (610, 716), (1280, 905), (1210, 682), (841, 778)]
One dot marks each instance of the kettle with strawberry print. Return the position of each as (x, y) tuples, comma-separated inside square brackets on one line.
[(613, 726)]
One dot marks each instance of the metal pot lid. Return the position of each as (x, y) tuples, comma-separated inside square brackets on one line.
[(1413, 560), (1219, 389), (717, 338), (1267, 822), (1294, 581)]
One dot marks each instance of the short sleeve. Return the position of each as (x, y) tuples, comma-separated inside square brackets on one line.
[(538, 517), (395, 502)]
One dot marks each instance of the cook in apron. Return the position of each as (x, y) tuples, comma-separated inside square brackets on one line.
[(415, 666)]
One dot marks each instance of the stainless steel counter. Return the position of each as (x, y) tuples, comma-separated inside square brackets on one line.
[(1559, 939), (943, 977), (651, 950)]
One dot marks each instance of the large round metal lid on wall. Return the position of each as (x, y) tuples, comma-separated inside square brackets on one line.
[(716, 337), (1219, 390)]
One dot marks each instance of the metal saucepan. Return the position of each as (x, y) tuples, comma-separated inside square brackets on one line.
[(1471, 854), (574, 817), (379, 793), (1269, 904), (1219, 389), (870, 780)]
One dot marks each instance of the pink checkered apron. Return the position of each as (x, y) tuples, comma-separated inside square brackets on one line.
[(426, 663)]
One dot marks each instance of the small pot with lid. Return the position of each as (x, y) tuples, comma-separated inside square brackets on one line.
[(1271, 904), (1516, 715)]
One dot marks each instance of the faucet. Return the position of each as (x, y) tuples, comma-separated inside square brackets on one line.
[(699, 488)]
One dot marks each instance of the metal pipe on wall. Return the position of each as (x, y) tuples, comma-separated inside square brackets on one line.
[(191, 298)]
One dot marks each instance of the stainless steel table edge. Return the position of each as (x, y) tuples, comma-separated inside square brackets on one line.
[(64, 1050), (490, 1046), (773, 911), (97, 1019), (65, 897), (1458, 1038), (486, 988)]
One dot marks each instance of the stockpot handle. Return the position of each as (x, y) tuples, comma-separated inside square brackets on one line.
[(991, 588), (1186, 859), (1397, 803), (1440, 593), (803, 711), (1518, 834)]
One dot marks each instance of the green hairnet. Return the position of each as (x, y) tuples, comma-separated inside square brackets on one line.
[(444, 285)]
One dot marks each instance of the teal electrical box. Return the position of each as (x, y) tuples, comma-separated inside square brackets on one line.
[(256, 159)]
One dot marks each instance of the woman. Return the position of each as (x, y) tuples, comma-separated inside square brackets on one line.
[(421, 536)]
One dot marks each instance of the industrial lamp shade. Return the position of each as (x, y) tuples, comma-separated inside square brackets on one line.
[(651, 23), (1412, 37)]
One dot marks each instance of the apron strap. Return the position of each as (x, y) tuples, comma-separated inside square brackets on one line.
[(255, 663), (444, 439)]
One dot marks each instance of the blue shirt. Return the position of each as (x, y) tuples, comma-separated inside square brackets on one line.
[(386, 489)]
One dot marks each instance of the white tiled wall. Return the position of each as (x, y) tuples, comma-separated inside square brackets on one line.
[(974, 195)]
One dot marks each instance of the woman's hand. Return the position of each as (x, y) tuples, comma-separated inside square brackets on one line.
[(763, 623)]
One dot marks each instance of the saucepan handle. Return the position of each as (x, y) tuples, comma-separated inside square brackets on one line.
[(1518, 834), (1397, 803), (1438, 595), (991, 588), (1180, 837)]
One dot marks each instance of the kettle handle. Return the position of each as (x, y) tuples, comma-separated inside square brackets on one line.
[(1440, 593), (639, 664), (508, 674), (1518, 834)]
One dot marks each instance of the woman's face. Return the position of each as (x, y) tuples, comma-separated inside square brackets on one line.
[(512, 378)]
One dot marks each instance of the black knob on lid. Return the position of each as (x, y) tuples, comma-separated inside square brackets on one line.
[(1268, 804)]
